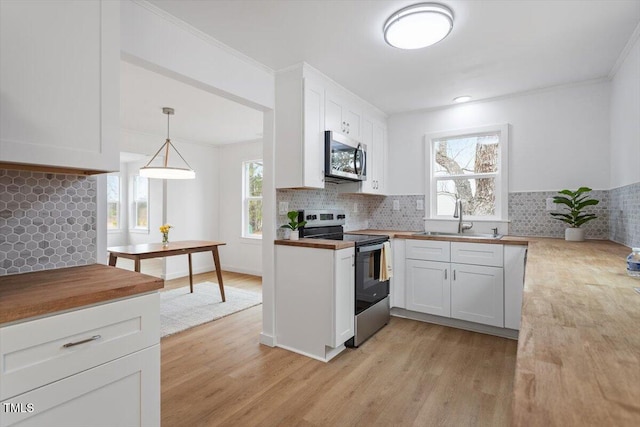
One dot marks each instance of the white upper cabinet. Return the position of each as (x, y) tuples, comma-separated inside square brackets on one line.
[(299, 130), (342, 116), (376, 154), (59, 79), (308, 104)]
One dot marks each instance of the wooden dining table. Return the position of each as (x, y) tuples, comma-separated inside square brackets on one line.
[(158, 250)]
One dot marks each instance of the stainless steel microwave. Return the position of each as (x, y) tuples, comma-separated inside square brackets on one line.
[(344, 158)]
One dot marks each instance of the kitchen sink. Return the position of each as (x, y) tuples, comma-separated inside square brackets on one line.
[(465, 235)]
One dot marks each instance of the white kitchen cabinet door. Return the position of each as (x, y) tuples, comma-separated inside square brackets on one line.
[(477, 294), (341, 116), (428, 287), (379, 155), (59, 79), (344, 297), (313, 139), (124, 392), (514, 266)]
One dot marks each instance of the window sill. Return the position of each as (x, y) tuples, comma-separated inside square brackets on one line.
[(251, 240)]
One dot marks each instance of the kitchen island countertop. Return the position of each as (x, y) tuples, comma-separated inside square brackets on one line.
[(27, 295), (578, 360)]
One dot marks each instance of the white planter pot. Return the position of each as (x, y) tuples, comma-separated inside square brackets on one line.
[(294, 235), (574, 234)]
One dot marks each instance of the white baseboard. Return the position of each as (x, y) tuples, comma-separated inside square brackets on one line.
[(241, 270), (268, 340)]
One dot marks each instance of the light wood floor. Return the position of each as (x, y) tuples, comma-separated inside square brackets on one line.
[(409, 374)]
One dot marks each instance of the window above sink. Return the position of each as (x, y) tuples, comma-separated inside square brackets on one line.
[(470, 164)]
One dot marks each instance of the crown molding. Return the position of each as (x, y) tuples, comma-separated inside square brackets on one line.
[(625, 52)]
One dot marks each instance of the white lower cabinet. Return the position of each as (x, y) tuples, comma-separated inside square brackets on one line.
[(477, 294), (474, 282), (315, 300), (428, 287), (95, 366), (124, 392)]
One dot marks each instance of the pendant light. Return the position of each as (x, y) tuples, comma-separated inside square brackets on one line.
[(165, 171), (419, 25)]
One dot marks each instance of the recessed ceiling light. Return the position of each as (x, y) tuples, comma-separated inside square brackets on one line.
[(419, 25), (463, 98)]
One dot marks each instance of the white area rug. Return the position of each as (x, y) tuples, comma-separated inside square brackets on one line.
[(180, 309)]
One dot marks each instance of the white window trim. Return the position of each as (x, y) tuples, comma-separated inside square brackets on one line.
[(120, 229), (502, 178), (245, 202), (132, 219)]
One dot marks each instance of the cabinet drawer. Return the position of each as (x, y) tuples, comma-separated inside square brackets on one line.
[(428, 250), (33, 353), (124, 392), (477, 253)]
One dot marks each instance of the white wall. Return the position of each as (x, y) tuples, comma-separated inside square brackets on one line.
[(191, 205), (625, 119), (152, 36), (240, 254), (559, 138)]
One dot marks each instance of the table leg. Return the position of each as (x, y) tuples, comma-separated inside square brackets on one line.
[(136, 265), (216, 261), (112, 260), (190, 275)]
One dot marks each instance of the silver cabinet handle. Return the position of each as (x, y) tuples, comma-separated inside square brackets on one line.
[(71, 344), (445, 274), (454, 275)]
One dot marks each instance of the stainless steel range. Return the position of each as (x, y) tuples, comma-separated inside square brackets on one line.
[(371, 294)]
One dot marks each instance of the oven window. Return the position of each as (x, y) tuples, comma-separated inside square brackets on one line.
[(369, 288)]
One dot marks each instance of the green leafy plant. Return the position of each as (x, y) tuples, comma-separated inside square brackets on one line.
[(575, 201), (293, 221)]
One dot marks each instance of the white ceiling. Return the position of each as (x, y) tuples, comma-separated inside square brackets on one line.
[(200, 116), (497, 47)]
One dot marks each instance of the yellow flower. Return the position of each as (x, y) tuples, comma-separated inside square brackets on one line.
[(165, 228)]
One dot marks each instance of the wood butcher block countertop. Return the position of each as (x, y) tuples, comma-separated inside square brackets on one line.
[(578, 359), (316, 243), (45, 292), (505, 240)]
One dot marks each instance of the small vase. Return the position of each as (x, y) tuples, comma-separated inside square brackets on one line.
[(574, 234), (165, 240), (295, 235)]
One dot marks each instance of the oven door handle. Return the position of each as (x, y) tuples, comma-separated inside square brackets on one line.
[(369, 248)]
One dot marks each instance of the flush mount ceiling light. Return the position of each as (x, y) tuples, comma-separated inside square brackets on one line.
[(419, 25), (461, 99), (165, 171)]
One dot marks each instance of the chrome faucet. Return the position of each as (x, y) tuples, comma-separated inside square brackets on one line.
[(458, 214)]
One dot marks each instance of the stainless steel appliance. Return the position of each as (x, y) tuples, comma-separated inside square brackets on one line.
[(371, 295), (345, 159)]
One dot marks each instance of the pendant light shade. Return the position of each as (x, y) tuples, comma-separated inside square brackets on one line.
[(418, 26), (164, 171)]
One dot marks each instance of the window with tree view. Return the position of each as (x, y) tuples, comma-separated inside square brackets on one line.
[(140, 203), (252, 200), (470, 167)]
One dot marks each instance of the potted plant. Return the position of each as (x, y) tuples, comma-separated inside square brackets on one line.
[(294, 225), (575, 201)]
